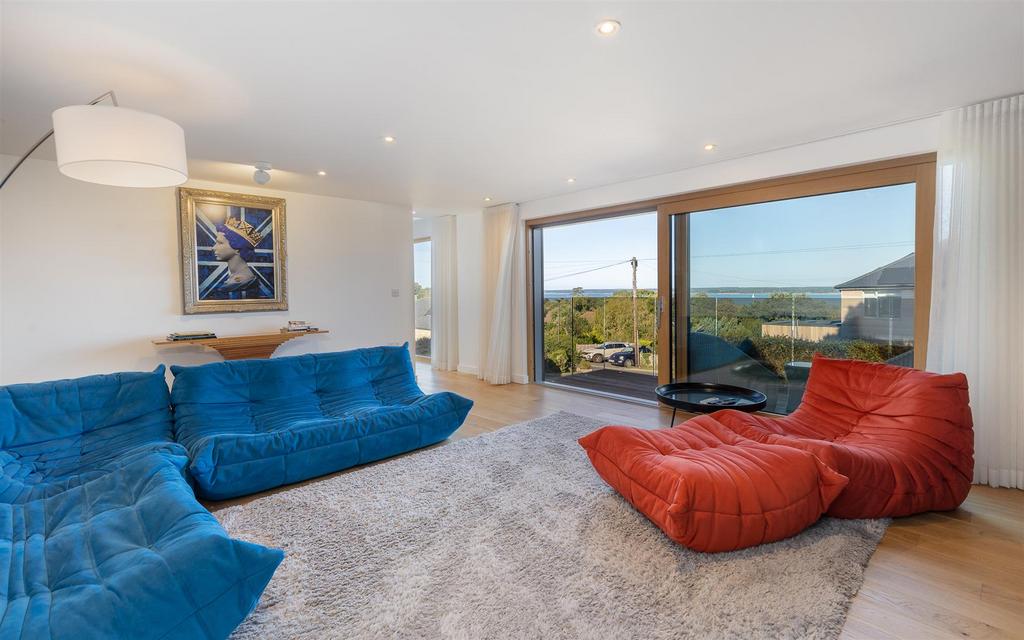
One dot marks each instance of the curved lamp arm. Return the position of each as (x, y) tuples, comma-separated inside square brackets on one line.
[(109, 94)]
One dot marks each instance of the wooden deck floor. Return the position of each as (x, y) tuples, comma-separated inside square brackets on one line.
[(958, 574)]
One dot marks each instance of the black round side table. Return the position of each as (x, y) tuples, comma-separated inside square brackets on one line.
[(705, 397)]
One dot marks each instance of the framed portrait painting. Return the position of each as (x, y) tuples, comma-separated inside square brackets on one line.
[(232, 252)]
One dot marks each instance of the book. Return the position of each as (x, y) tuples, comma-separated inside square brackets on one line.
[(191, 335)]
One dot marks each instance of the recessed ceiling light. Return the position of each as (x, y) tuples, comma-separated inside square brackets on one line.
[(608, 27), (710, 147), (570, 180), (321, 173), (389, 139), (413, 212), (487, 199)]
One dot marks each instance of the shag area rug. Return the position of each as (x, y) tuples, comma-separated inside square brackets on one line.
[(513, 535)]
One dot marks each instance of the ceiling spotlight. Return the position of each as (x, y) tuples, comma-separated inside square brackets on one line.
[(261, 175), (487, 199), (321, 173), (608, 27), (709, 147), (570, 180), (389, 139)]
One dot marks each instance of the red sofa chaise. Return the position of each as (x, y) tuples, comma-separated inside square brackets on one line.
[(868, 441)]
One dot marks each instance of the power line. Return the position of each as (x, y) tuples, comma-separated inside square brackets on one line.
[(548, 280), (868, 245), (877, 245)]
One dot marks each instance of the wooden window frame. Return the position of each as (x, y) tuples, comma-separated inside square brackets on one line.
[(917, 169)]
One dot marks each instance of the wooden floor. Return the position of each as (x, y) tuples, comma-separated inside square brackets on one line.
[(957, 574)]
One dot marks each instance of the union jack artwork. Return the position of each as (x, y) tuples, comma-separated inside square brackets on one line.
[(233, 247)]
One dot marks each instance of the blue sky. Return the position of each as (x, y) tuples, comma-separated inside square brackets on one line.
[(421, 263), (815, 241)]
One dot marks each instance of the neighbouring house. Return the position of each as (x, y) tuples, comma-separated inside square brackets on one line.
[(879, 305)]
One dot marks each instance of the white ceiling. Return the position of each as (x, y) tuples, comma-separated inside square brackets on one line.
[(505, 100)]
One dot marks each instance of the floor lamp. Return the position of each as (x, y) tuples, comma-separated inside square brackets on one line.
[(116, 146)]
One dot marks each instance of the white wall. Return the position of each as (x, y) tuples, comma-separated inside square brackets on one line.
[(910, 138), (89, 275)]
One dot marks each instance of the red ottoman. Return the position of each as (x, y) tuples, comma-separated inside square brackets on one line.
[(710, 489)]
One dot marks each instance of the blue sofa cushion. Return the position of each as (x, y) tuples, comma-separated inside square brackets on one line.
[(250, 425), (57, 435), (130, 554)]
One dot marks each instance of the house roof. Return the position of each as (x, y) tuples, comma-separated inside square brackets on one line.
[(895, 275)]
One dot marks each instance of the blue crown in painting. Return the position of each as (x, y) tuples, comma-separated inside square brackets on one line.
[(245, 230)]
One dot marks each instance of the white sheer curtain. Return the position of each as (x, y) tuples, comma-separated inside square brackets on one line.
[(503, 284), (977, 297), (444, 304)]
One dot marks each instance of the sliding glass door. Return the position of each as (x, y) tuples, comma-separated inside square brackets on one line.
[(739, 285), (595, 304), (758, 288)]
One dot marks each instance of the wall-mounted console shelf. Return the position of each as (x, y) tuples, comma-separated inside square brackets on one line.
[(257, 345)]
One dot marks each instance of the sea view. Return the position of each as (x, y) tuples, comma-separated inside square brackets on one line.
[(736, 296)]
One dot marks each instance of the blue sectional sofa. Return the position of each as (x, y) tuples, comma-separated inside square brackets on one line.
[(100, 533), (58, 435), (250, 425)]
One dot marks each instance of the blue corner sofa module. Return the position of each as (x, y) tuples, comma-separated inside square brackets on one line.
[(57, 435), (250, 425), (100, 533)]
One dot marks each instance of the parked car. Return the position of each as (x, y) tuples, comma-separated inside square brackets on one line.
[(601, 352), (626, 358)]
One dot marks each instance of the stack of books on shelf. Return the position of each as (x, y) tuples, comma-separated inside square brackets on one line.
[(190, 335), (299, 326)]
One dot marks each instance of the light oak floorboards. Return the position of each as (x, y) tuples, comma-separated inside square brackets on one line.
[(957, 574)]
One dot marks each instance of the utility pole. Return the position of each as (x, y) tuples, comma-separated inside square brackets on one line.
[(716, 314), (792, 331), (572, 330), (636, 324)]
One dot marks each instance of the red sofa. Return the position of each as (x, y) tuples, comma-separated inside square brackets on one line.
[(903, 437), (868, 441)]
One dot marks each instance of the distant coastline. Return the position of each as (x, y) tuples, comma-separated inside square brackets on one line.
[(737, 294)]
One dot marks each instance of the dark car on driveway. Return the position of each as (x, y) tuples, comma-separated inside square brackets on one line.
[(626, 358)]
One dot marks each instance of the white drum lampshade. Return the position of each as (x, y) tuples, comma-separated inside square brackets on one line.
[(119, 147)]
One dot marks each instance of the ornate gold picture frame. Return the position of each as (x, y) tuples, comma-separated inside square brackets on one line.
[(233, 255)]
